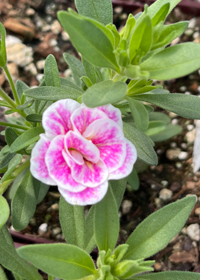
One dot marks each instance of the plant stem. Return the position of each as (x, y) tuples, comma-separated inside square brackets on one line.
[(7, 99), (11, 84), (14, 125)]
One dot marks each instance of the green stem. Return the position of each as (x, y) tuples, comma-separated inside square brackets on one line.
[(7, 99), (12, 85), (14, 125)]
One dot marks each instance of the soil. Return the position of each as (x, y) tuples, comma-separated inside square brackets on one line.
[(175, 175)]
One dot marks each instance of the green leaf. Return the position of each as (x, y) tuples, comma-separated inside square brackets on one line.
[(76, 67), (106, 222), (155, 127), (90, 71), (10, 135), (99, 10), (5, 211), (28, 137), (133, 180), (139, 113), (72, 223), (26, 105), (59, 260), (104, 93), (41, 190), (89, 40), (5, 160), (186, 106), (51, 74), (169, 275), (15, 184), (173, 62), (34, 118), (2, 274), (142, 143), (3, 56), (24, 203), (90, 241), (118, 188), (68, 83), (155, 7), (141, 40), (12, 261), (156, 231), (170, 131), (21, 87), (161, 14), (169, 33), (16, 160), (157, 116), (53, 93)]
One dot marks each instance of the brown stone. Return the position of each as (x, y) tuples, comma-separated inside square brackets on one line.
[(182, 257), (14, 25)]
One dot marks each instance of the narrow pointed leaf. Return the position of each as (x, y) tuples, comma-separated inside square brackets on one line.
[(76, 67), (186, 106), (89, 40), (133, 180), (139, 113), (41, 190), (170, 131), (104, 93), (142, 143), (28, 137), (156, 231), (53, 93), (34, 118), (59, 260), (24, 203), (12, 261), (51, 74), (90, 241), (173, 62), (2, 274), (72, 223), (155, 7), (106, 222), (118, 188), (99, 10), (4, 212)]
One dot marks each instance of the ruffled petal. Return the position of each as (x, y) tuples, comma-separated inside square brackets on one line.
[(109, 138), (58, 168), (86, 197), (56, 118), (75, 141), (113, 155), (38, 166), (90, 174), (113, 113), (127, 166), (84, 116)]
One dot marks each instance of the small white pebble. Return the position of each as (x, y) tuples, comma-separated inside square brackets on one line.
[(165, 194), (178, 165), (183, 88), (165, 183), (126, 206), (193, 231), (196, 35), (173, 145), (42, 228), (65, 36), (53, 42), (188, 92), (190, 127), (183, 155)]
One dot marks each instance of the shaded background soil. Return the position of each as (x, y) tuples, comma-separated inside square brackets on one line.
[(35, 24)]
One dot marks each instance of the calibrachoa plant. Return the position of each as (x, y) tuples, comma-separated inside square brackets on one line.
[(84, 134)]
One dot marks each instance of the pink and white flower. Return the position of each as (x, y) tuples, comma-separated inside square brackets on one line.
[(82, 148)]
